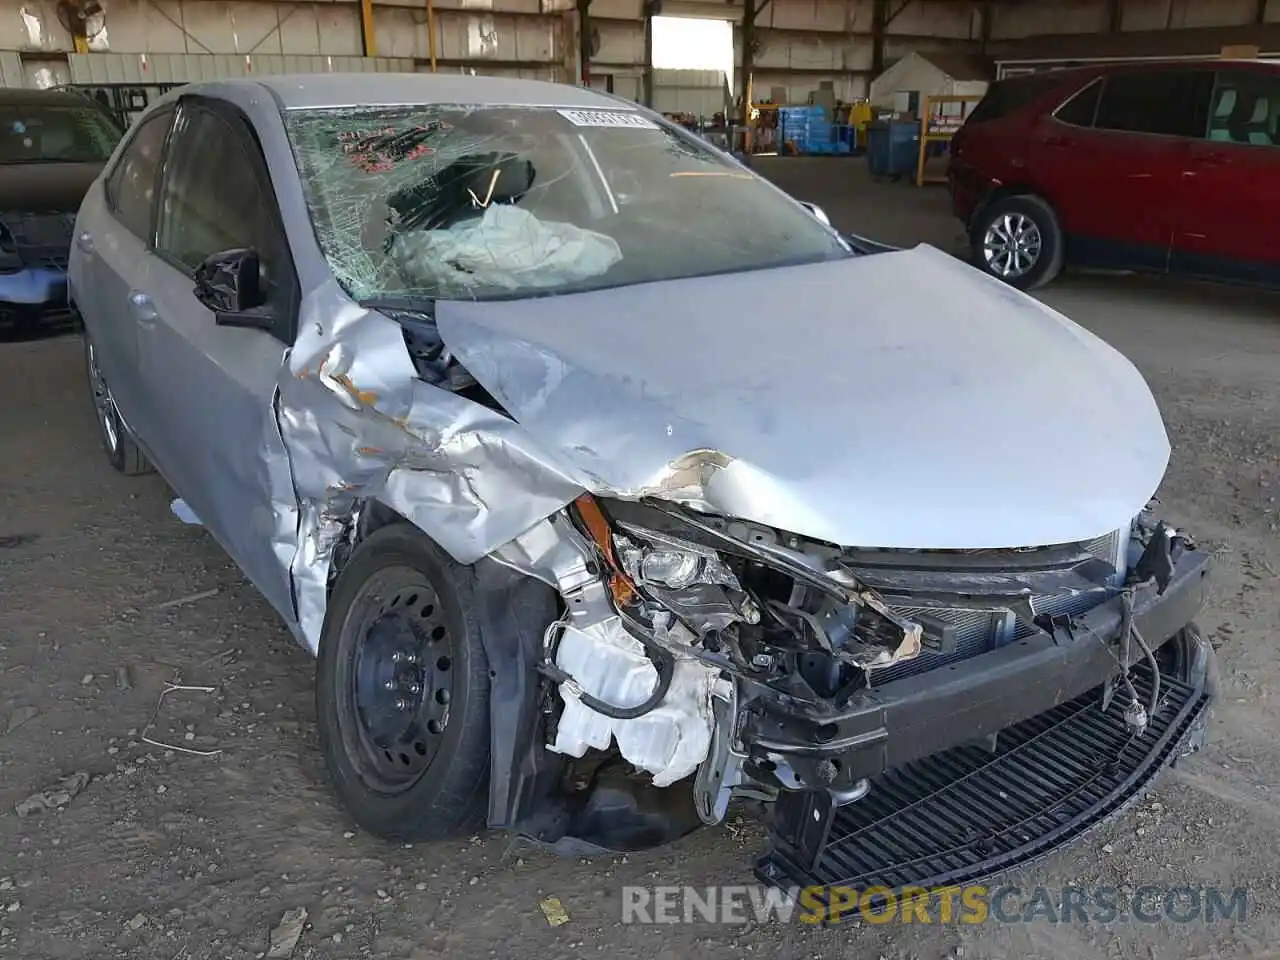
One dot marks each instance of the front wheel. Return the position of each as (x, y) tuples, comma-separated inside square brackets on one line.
[(1018, 240), (122, 451), (402, 690)]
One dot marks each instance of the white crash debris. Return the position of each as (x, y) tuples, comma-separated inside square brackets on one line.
[(669, 741)]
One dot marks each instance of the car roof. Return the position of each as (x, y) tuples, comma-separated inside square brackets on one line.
[(27, 97), (300, 91), (1124, 66)]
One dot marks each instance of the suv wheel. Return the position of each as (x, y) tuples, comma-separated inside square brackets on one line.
[(1017, 239), (402, 690), (121, 450)]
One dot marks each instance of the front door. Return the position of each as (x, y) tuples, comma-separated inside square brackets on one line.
[(1230, 207), (1110, 162), (214, 386), (113, 231)]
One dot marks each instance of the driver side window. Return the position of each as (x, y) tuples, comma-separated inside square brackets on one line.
[(214, 198)]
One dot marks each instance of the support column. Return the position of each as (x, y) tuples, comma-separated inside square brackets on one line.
[(1116, 16), (749, 11), (431, 33), (584, 42), (879, 26), (366, 29), (651, 9)]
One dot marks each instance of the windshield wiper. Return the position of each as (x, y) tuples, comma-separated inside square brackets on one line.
[(420, 305)]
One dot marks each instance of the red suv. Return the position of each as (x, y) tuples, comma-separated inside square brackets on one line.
[(1163, 167)]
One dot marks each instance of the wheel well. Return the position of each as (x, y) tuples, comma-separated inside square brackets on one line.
[(372, 515), (1001, 193)]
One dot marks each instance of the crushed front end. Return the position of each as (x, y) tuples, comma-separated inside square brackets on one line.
[(908, 716)]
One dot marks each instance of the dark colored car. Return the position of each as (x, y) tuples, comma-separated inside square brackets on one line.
[(1165, 167), (53, 144)]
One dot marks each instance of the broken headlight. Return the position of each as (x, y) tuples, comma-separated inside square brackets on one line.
[(657, 559), (670, 568)]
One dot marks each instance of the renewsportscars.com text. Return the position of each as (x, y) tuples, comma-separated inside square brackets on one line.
[(970, 904)]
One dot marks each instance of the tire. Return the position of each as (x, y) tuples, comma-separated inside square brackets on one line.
[(401, 614), (1033, 233), (118, 443)]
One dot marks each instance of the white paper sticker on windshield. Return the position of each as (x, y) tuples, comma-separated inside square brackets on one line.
[(607, 118)]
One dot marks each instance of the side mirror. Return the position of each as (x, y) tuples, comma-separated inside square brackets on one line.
[(818, 213), (229, 283)]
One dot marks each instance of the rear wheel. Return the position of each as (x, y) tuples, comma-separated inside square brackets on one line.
[(402, 690), (1018, 240), (122, 452)]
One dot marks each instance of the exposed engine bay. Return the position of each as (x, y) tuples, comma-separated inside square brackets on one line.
[(708, 659)]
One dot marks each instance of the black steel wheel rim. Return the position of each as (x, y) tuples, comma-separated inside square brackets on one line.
[(399, 683)]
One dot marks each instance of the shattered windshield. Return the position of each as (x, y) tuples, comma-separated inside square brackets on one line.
[(460, 202)]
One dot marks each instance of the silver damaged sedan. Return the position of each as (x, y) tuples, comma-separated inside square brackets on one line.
[(610, 485)]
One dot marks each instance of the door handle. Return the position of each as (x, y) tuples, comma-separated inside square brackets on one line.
[(85, 242), (1057, 141), (1210, 159), (144, 310)]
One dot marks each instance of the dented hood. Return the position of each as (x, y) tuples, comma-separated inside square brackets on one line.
[(899, 400)]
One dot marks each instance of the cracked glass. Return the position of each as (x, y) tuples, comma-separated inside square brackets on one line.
[(465, 202)]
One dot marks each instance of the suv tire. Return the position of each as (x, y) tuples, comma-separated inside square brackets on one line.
[(1017, 239)]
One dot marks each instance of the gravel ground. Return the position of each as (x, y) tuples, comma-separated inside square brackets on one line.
[(197, 850)]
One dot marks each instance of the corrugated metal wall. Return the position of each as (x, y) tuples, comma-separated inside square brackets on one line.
[(142, 68), (1015, 21), (699, 92), (801, 43), (197, 38)]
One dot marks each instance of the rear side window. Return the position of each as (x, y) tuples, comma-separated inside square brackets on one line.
[(1080, 110), (1171, 103), (1005, 97), (1246, 109), (132, 184)]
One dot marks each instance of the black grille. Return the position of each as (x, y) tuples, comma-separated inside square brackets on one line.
[(978, 631), (975, 632), (967, 813)]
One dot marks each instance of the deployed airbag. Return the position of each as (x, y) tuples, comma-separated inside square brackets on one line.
[(506, 247)]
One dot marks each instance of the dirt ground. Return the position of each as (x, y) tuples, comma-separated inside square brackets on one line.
[(196, 850)]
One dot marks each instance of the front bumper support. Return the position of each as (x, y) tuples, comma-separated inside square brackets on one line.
[(921, 715), (968, 813)]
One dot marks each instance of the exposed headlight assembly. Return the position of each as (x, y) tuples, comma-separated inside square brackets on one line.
[(657, 559)]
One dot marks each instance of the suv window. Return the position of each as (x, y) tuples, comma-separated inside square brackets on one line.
[(1080, 110), (1246, 108), (214, 198), (1007, 96), (55, 133), (1168, 102), (132, 184)]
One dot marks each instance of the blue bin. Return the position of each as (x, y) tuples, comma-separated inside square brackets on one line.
[(804, 127), (893, 147)]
